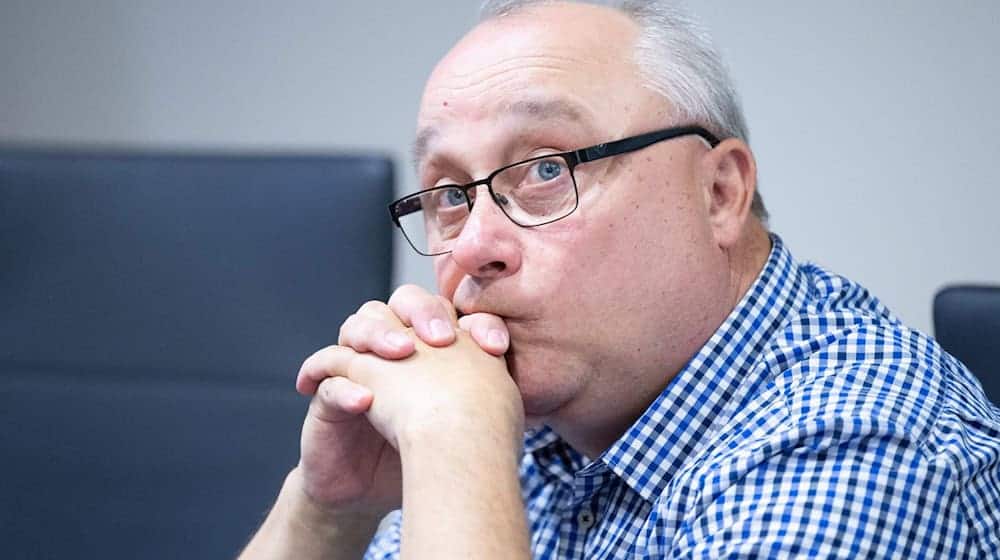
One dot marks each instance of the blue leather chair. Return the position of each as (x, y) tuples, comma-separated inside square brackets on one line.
[(967, 325), (154, 310)]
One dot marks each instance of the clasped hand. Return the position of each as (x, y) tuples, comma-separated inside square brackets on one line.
[(401, 372)]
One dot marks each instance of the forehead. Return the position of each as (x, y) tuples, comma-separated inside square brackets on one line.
[(559, 61)]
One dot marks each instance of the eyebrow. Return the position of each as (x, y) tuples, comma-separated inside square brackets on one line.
[(542, 109)]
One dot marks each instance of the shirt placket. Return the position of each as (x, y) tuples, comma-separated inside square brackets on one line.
[(580, 516)]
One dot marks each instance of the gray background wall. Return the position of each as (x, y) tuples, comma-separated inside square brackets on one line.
[(875, 123)]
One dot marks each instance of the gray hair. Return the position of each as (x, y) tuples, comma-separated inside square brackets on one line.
[(678, 59)]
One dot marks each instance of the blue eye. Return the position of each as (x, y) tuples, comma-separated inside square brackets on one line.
[(548, 170), (453, 197)]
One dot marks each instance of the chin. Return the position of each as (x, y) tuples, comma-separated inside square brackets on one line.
[(544, 389)]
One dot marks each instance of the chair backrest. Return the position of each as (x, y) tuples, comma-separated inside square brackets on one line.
[(967, 325), (154, 309)]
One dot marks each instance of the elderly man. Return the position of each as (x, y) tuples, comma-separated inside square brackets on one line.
[(622, 362)]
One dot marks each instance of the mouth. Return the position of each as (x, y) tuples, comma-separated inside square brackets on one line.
[(483, 304), (472, 296), (464, 310), (512, 308)]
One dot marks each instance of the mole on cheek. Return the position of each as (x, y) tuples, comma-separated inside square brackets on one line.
[(444, 103)]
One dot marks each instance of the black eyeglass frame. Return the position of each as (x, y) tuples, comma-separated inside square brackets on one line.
[(411, 203)]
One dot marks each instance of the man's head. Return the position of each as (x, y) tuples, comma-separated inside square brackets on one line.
[(677, 59), (606, 304)]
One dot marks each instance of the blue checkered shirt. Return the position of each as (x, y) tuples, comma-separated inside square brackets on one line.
[(812, 424)]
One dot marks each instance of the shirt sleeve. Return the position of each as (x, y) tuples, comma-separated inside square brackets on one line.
[(846, 488), (385, 543)]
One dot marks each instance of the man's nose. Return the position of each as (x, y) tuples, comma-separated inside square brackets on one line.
[(489, 243)]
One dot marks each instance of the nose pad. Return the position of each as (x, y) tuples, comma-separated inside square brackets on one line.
[(498, 199), (472, 195)]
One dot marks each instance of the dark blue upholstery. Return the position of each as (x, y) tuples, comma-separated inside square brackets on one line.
[(154, 310), (967, 324)]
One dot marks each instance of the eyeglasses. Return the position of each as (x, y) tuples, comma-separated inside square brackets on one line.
[(532, 193)]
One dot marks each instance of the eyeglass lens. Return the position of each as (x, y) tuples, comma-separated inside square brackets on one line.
[(530, 194)]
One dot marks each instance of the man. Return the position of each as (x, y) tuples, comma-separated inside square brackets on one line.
[(607, 282)]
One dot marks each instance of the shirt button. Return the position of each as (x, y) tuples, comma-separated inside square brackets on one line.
[(585, 519)]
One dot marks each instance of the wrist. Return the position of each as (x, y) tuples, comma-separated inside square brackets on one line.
[(461, 491), (462, 437), (299, 528), (328, 529)]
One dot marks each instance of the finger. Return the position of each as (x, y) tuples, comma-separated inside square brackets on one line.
[(332, 361), (338, 399), (489, 332), (373, 333), (380, 310), (449, 308), (432, 317)]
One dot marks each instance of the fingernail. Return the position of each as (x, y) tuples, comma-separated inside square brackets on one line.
[(497, 339), (439, 329), (397, 339)]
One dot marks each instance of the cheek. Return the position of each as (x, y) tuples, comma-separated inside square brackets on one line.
[(644, 242), (550, 264)]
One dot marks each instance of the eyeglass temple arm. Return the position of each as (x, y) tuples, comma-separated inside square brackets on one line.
[(407, 206), (634, 143), (404, 207)]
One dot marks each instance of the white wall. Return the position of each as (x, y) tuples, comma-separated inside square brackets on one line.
[(875, 123)]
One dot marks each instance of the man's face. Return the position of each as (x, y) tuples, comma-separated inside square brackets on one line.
[(621, 288)]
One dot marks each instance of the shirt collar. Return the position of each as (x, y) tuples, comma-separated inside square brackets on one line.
[(537, 438), (722, 372)]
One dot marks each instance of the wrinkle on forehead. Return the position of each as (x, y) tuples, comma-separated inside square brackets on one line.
[(556, 110), (463, 74)]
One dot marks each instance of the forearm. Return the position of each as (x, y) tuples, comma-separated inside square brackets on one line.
[(463, 501), (297, 528)]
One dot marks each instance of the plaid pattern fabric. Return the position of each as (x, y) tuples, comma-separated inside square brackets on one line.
[(812, 424)]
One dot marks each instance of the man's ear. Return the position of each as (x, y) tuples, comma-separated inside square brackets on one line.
[(731, 174)]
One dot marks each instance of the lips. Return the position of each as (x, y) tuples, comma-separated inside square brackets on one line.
[(485, 296), (485, 305), (465, 296), (470, 297), (475, 307)]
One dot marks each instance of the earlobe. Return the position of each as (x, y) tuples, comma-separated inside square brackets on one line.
[(731, 192)]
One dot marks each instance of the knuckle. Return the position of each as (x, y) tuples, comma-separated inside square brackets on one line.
[(406, 295), (409, 288), (347, 327), (351, 366), (448, 307), (361, 332), (372, 307), (405, 291), (309, 363), (429, 309)]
